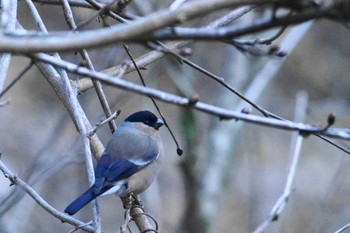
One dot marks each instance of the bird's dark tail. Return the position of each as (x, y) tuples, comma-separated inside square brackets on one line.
[(81, 201)]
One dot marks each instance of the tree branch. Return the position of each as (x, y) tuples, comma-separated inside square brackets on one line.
[(300, 115), (75, 3), (331, 11), (8, 18), (145, 29), (36, 197), (150, 57), (222, 113), (136, 30), (84, 54)]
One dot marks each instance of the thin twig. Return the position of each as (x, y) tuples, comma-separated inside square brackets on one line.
[(332, 143), (37, 172), (110, 13), (78, 228), (99, 124), (342, 229), (101, 10), (19, 76), (269, 40), (178, 148), (215, 78), (221, 81)]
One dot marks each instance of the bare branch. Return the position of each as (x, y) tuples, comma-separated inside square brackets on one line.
[(75, 3), (342, 229), (99, 124), (20, 75), (84, 54), (148, 58), (331, 11), (134, 31), (179, 150), (15, 180), (8, 14), (77, 113), (145, 29), (222, 113), (300, 115)]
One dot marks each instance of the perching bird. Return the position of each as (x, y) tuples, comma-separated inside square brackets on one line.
[(130, 161)]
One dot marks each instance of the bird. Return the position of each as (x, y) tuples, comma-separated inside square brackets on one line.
[(130, 162)]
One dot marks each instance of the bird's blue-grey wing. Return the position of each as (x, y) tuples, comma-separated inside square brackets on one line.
[(125, 159), (102, 167), (124, 168)]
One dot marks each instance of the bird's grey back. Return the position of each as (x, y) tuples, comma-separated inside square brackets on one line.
[(131, 143)]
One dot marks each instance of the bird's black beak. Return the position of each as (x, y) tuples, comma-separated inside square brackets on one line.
[(159, 123)]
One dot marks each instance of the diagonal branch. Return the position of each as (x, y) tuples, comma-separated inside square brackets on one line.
[(84, 54), (15, 180), (150, 57), (178, 148), (222, 113)]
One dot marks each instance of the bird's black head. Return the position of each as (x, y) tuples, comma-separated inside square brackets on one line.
[(146, 117)]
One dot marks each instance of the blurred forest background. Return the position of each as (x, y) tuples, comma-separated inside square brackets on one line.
[(231, 173)]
